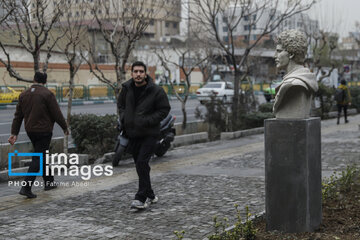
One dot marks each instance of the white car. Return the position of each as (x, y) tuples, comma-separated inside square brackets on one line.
[(221, 90)]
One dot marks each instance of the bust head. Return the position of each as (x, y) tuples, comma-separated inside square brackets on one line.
[(291, 46)]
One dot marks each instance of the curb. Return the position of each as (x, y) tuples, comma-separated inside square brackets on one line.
[(189, 139), (4, 175), (351, 111), (8, 106), (76, 103), (242, 133)]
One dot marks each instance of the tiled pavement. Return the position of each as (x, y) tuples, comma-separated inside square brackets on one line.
[(194, 183)]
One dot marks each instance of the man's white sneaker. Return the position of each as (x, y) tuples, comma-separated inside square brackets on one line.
[(139, 205), (152, 200)]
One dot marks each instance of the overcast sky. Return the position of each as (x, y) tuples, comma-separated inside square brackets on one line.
[(337, 15)]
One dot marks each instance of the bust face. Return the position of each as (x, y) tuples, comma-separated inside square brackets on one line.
[(281, 57)]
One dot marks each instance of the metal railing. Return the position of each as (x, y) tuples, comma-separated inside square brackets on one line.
[(104, 92)]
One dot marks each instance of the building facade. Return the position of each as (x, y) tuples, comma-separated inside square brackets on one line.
[(164, 16)]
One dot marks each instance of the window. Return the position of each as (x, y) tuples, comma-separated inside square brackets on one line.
[(246, 18), (175, 25), (254, 17), (253, 37), (77, 14), (225, 29), (229, 86), (224, 19), (212, 85), (248, 26), (167, 24), (151, 23), (226, 39)]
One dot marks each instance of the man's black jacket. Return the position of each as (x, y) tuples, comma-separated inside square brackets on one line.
[(152, 107)]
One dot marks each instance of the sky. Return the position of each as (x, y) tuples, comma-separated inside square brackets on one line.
[(337, 15), (333, 15)]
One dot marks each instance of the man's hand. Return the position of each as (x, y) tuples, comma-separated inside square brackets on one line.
[(12, 139), (66, 132)]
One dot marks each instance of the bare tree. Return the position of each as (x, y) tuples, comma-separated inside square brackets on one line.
[(30, 23), (322, 45), (75, 33), (205, 62), (357, 35), (261, 18), (121, 24), (186, 64)]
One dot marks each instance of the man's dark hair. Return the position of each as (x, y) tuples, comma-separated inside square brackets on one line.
[(40, 77), (138, 63), (343, 82)]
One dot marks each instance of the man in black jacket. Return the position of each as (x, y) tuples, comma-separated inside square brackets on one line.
[(142, 105)]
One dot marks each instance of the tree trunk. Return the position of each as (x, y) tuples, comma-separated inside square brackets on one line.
[(71, 92), (36, 57), (184, 115), (235, 106)]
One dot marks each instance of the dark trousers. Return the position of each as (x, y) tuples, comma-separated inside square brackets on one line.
[(41, 143), (340, 107), (142, 151)]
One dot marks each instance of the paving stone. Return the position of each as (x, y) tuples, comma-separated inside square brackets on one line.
[(187, 201)]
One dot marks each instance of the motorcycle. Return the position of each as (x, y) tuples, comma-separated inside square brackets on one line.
[(167, 135)]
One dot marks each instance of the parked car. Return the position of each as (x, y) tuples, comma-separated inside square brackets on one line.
[(221, 90), (269, 93), (8, 95)]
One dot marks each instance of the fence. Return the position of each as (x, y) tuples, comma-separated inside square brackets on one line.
[(180, 88), (104, 92)]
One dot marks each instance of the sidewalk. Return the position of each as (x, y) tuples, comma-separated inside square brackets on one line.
[(194, 183)]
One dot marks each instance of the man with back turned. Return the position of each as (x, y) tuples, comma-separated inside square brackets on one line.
[(40, 110)]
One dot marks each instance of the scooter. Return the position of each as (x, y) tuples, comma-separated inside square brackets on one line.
[(167, 135)]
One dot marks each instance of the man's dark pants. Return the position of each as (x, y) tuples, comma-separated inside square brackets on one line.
[(142, 151), (41, 143), (340, 107)]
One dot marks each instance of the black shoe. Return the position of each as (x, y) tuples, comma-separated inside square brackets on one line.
[(49, 187), (346, 121), (27, 192)]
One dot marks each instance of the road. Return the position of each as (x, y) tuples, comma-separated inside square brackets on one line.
[(7, 115)]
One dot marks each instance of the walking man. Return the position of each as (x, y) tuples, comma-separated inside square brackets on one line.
[(39, 109), (343, 99), (142, 105)]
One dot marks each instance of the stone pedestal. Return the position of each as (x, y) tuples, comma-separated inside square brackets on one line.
[(293, 174)]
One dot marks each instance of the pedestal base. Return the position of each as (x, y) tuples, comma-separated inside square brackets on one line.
[(293, 174)]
